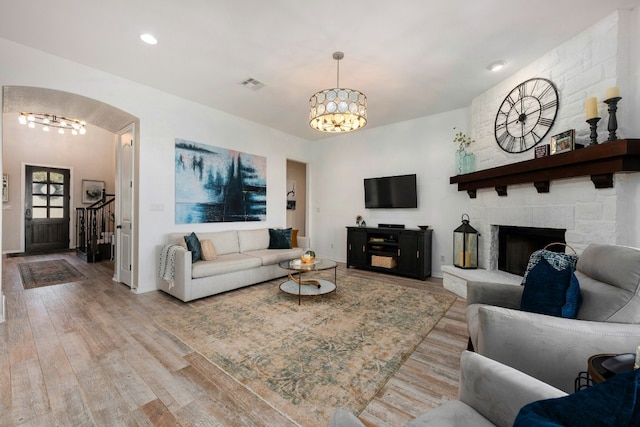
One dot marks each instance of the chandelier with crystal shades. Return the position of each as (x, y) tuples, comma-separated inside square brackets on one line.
[(339, 109), (48, 121)]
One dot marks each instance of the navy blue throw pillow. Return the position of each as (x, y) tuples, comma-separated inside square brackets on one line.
[(193, 244), (573, 299), (613, 402), (551, 291), (280, 238)]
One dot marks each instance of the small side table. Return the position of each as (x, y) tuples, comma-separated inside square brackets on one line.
[(596, 371), (597, 368)]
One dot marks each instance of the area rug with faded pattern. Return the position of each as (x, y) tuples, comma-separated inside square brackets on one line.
[(332, 351), (45, 273)]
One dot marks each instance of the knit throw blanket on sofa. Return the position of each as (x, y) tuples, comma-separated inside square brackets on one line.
[(167, 268)]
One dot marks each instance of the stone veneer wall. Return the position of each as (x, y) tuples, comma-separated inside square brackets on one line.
[(584, 66)]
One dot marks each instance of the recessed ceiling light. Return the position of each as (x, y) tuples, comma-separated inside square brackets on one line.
[(148, 38), (496, 66)]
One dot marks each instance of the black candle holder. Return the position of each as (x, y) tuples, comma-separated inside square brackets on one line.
[(593, 125), (613, 121)]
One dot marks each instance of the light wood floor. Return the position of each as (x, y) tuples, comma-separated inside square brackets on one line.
[(89, 353)]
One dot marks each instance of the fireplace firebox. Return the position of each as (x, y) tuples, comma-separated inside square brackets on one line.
[(516, 244)]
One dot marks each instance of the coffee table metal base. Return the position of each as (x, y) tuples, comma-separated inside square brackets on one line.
[(296, 285), (303, 288)]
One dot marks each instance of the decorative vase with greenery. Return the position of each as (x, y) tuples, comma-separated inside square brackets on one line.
[(465, 161)]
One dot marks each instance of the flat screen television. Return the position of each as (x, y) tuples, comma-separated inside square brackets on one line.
[(391, 192)]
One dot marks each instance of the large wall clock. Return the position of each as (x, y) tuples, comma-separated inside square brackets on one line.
[(526, 115)]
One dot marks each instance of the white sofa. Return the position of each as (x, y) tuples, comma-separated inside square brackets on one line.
[(243, 259)]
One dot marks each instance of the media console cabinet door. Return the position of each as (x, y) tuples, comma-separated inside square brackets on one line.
[(356, 247), (409, 254)]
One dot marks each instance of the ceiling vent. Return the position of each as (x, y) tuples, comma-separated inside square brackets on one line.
[(252, 83)]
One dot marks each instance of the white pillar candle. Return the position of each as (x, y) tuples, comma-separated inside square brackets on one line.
[(591, 105), (612, 92)]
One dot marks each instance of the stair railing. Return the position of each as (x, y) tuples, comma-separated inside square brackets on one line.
[(95, 227)]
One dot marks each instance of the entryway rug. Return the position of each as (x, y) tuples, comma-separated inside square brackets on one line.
[(45, 273), (306, 360)]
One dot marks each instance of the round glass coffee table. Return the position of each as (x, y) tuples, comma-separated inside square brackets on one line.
[(296, 285)]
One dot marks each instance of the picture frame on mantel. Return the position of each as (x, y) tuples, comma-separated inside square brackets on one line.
[(91, 190), (563, 142), (541, 151)]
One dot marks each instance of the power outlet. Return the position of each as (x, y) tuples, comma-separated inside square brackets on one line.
[(442, 258)]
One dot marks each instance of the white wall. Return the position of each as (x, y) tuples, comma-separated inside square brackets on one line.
[(90, 156), (605, 54), (634, 100), (422, 146), (163, 118), (584, 66)]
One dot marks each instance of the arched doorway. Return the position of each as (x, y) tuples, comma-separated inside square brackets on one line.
[(108, 119)]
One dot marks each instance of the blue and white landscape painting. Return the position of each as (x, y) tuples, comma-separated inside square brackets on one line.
[(215, 184)]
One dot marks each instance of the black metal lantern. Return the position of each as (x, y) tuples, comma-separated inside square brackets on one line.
[(465, 245)]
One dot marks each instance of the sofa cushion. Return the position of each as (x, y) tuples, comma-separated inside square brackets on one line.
[(224, 264), (600, 301), (209, 252), (551, 291), (452, 413), (274, 256), (616, 265), (193, 244), (226, 242), (609, 277), (252, 240), (177, 239), (344, 418), (280, 238)]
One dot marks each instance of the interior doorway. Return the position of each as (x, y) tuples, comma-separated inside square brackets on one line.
[(124, 204), (297, 196), (105, 118), (46, 213)]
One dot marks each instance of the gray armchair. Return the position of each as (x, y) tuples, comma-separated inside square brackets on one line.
[(490, 394), (552, 349)]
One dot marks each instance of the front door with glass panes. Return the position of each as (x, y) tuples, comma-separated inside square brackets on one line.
[(46, 214)]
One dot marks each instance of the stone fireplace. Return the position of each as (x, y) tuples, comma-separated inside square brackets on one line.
[(515, 245), (574, 207)]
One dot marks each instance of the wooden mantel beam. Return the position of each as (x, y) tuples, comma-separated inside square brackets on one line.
[(599, 162)]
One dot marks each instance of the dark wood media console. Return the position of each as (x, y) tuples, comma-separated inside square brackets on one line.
[(404, 252)]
